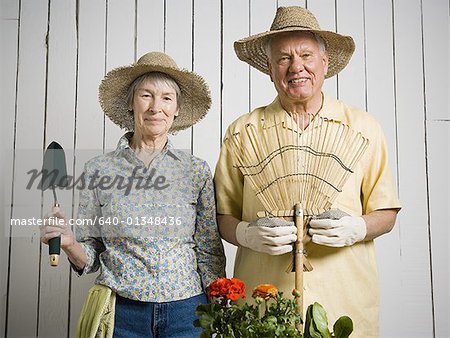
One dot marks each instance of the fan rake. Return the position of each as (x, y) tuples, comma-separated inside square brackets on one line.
[(297, 172)]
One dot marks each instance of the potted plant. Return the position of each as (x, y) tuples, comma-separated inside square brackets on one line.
[(272, 316)]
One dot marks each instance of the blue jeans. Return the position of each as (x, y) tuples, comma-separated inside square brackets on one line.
[(135, 319)]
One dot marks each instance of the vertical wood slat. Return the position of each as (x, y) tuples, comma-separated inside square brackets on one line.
[(178, 44), (413, 225), (207, 63), (436, 35), (235, 72), (120, 51), (59, 127), (352, 87), (89, 119), (438, 169), (235, 77), (262, 90), (380, 84), (22, 304), (286, 3), (150, 26), (9, 30)]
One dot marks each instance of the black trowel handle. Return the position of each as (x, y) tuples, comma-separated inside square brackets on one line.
[(54, 244)]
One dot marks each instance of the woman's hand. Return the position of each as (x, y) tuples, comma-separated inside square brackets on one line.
[(55, 224)]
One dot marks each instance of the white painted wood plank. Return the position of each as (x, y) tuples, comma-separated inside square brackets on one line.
[(380, 84), (59, 127), (207, 63), (325, 13), (437, 71), (9, 9), (8, 71), (262, 90), (351, 80), (285, 3), (23, 294), (178, 44), (436, 30), (235, 72), (89, 120), (235, 75), (415, 318), (438, 137), (150, 26), (120, 51)]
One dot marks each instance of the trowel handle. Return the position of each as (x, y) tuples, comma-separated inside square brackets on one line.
[(54, 244)]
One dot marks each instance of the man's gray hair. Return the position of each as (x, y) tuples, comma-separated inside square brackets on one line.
[(318, 38)]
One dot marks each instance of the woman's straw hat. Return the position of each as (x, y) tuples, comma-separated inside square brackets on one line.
[(290, 19), (195, 95)]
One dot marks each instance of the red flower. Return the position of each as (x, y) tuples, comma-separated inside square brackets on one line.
[(227, 288)]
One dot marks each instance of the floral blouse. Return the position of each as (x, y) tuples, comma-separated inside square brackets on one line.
[(151, 230)]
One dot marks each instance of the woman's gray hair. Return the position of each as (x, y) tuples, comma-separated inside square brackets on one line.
[(318, 38), (159, 79)]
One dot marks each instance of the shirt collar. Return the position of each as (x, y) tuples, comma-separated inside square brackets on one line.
[(123, 146)]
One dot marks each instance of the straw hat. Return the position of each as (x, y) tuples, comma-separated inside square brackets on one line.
[(289, 19), (195, 95)]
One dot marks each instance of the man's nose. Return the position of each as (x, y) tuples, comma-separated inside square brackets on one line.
[(296, 65)]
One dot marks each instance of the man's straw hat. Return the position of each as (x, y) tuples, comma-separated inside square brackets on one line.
[(290, 19), (195, 95)]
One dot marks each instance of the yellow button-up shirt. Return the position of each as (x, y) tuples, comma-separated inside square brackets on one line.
[(344, 280)]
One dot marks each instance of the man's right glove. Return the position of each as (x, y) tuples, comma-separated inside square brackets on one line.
[(270, 235)]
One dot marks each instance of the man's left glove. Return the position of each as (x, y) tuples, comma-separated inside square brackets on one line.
[(337, 229)]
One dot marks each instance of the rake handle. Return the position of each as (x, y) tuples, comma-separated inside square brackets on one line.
[(299, 251)]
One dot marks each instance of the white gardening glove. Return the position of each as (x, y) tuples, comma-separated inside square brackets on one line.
[(270, 235), (344, 231)]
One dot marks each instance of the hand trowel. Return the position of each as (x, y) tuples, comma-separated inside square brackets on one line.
[(54, 174)]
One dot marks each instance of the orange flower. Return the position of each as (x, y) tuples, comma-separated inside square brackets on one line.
[(265, 291), (227, 288)]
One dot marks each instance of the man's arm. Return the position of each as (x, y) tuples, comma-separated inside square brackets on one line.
[(379, 222), (227, 228)]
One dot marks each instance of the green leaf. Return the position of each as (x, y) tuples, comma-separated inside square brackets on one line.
[(343, 327), (319, 317), (310, 330)]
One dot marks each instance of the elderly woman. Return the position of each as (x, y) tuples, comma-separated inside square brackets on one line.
[(152, 233)]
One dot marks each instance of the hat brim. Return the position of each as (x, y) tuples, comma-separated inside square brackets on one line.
[(195, 95), (252, 49)]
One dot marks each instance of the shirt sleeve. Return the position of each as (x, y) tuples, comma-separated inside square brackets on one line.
[(229, 183), (87, 230), (378, 190), (209, 247)]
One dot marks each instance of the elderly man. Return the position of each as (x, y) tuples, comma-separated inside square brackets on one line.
[(298, 56)]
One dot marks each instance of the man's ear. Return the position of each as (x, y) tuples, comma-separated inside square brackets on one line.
[(269, 67), (325, 62)]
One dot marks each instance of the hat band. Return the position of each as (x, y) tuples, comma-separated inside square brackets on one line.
[(296, 26)]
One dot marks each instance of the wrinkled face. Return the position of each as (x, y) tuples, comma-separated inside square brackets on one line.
[(154, 106), (297, 67)]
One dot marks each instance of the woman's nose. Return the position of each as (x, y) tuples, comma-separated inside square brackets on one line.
[(155, 106)]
